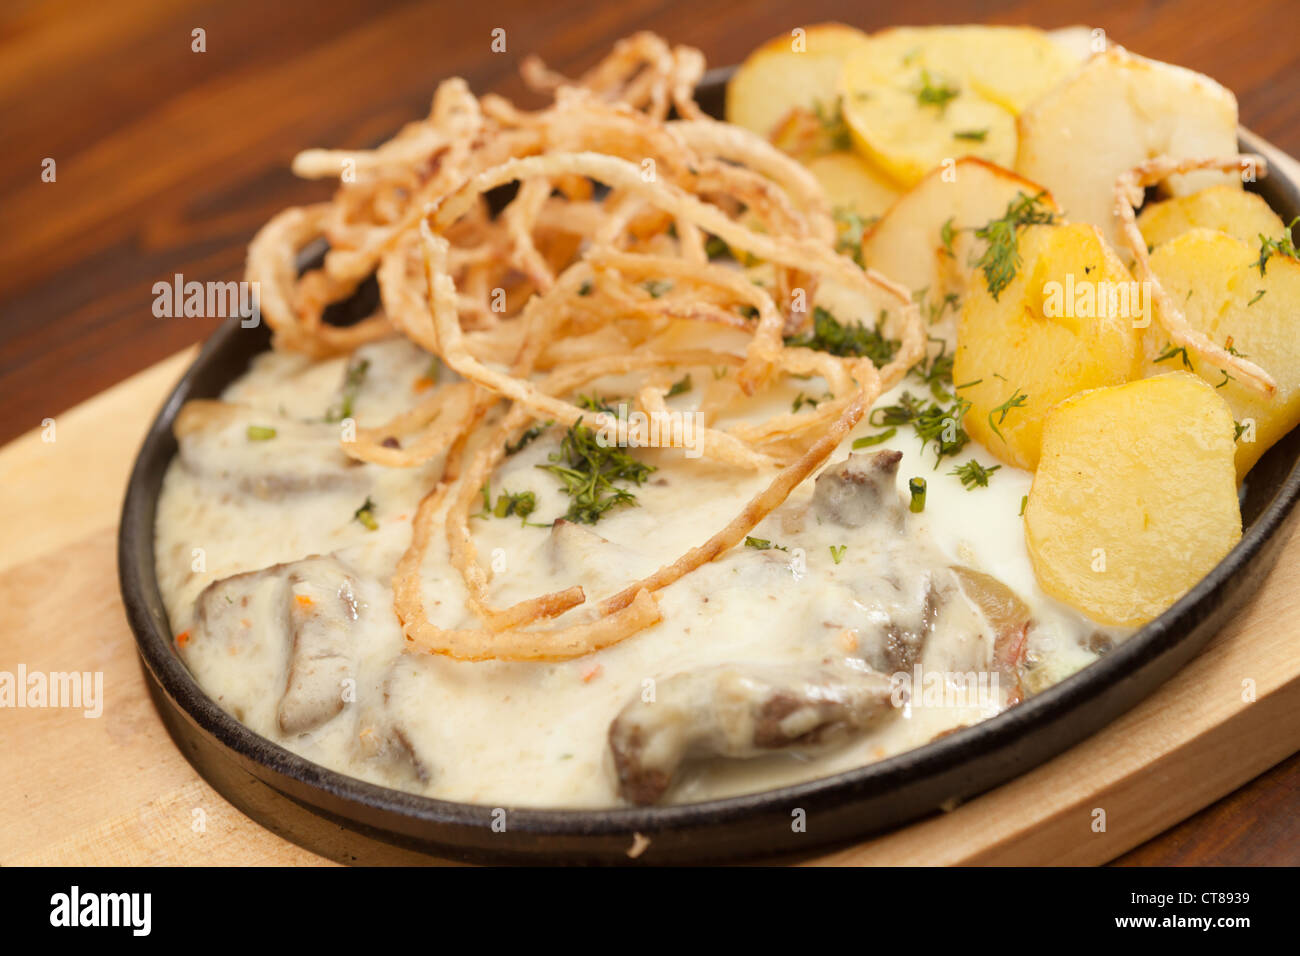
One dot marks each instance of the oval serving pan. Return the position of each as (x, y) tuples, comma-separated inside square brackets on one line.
[(350, 820)]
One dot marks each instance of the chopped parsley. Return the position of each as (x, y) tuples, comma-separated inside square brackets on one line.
[(930, 94), (973, 474), (366, 515), (849, 229), (845, 339), (591, 472), (352, 382), (1001, 258), (521, 505), (832, 122)]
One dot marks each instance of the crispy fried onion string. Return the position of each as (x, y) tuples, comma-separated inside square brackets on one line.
[(592, 267), (1129, 194)]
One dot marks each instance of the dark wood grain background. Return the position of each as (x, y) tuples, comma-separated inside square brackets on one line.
[(168, 160)]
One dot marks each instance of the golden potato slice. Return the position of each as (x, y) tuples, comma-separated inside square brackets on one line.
[(1217, 282), (852, 184), (916, 96), (790, 72), (1117, 111), (1225, 208), (908, 243), (910, 119), (1065, 323), (1135, 498)]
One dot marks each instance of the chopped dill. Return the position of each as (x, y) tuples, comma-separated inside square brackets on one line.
[(845, 339), (1001, 258), (973, 474), (1017, 400), (590, 472)]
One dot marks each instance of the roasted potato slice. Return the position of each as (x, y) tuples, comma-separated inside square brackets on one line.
[(1065, 323), (1215, 279), (1117, 111), (852, 184), (911, 245), (1225, 208), (915, 96), (1135, 498), (789, 72)]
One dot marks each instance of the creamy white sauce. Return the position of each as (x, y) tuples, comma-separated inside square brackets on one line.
[(505, 733)]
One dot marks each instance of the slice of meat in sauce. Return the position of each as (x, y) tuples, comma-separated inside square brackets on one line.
[(860, 489), (264, 454), (309, 606), (739, 711)]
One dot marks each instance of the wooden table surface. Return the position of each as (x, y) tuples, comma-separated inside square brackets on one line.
[(167, 160)]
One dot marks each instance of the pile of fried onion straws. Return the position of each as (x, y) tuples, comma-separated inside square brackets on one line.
[(530, 304)]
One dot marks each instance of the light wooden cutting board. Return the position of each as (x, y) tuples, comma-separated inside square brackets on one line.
[(114, 789)]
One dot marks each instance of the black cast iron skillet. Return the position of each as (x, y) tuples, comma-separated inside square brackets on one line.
[(350, 820)]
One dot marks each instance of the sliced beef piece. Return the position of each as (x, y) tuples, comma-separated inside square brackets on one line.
[(859, 489), (322, 615), (739, 711), (383, 736), (307, 606), (279, 457)]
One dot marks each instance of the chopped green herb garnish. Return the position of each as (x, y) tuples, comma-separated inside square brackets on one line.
[(763, 544), (916, 486), (585, 288), (527, 437), (837, 552), (716, 248), (1237, 429), (522, 505), (594, 403), (975, 135), (868, 440), (1284, 246), (973, 474), (1001, 258), (680, 387), (801, 400), (930, 94), (352, 382), (590, 472), (946, 235), (1259, 294), (366, 515), (832, 121), (845, 339), (849, 229), (1024, 500), (260, 433), (931, 421), (1171, 352), (657, 287), (1017, 400)]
